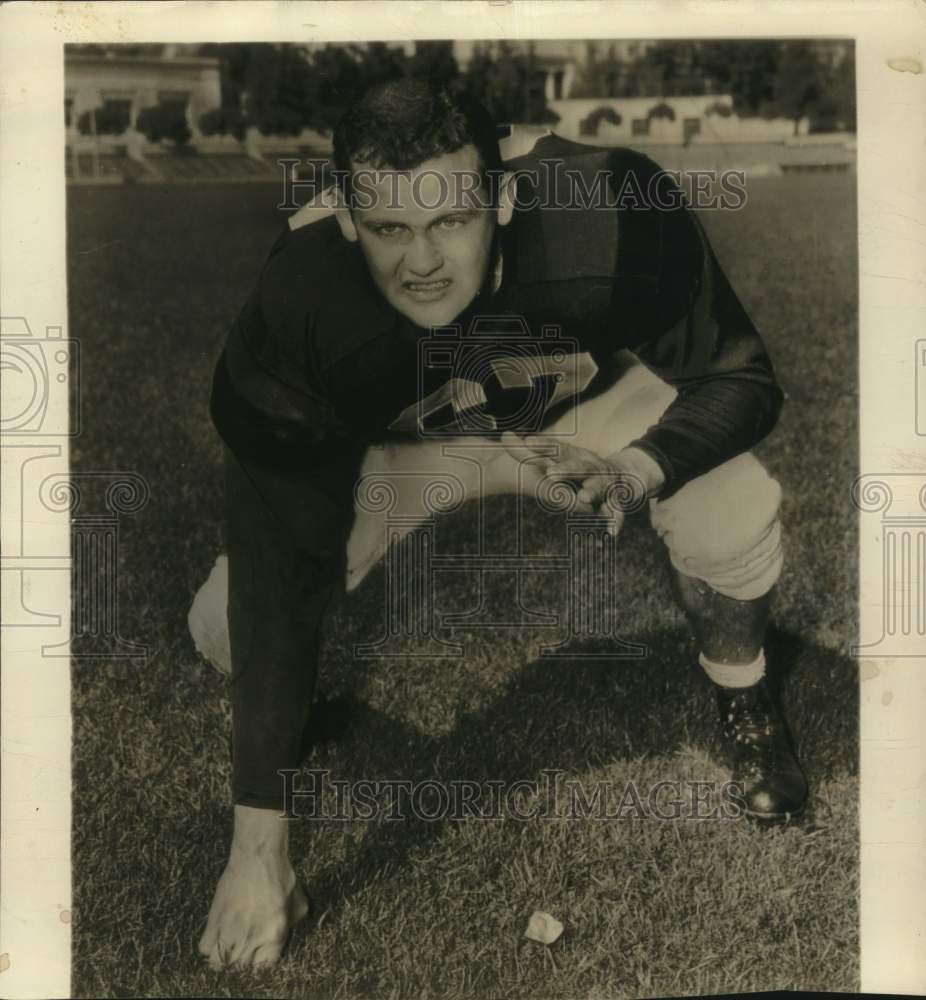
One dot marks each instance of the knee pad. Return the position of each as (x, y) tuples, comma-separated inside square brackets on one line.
[(723, 528), (207, 619)]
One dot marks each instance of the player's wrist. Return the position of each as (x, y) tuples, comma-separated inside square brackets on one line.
[(259, 831), (641, 466)]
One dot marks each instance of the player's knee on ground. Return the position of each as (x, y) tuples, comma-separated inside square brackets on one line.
[(723, 528), (208, 618)]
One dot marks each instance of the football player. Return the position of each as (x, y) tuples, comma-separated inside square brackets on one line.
[(666, 382)]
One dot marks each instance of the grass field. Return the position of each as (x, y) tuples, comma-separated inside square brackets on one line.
[(418, 909)]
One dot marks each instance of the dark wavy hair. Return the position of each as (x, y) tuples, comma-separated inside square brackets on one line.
[(403, 123)]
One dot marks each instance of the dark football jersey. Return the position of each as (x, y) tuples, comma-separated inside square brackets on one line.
[(318, 365)]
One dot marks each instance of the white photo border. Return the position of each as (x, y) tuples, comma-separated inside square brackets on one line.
[(35, 872)]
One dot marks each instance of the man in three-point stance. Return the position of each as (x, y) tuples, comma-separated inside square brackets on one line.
[(668, 389)]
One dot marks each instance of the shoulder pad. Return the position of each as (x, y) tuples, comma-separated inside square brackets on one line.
[(320, 207)]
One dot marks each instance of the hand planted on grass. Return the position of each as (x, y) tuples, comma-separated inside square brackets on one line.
[(611, 486), (258, 900)]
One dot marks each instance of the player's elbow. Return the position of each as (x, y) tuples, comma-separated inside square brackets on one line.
[(770, 410)]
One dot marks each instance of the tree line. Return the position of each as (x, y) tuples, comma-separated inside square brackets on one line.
[(280, 89)]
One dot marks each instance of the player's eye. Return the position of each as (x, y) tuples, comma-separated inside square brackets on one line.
[(452, 222), (388, 229)]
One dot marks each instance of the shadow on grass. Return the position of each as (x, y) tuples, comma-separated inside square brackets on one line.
[(572, 716)]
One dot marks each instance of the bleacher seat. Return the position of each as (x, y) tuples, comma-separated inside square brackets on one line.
[(208, 166)]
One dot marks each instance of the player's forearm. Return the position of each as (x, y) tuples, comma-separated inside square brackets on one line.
[(285, 549), (710, 423)]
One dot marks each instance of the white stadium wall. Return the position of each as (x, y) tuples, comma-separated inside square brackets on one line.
[(705, 125)]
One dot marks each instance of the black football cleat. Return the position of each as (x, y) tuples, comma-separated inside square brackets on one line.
[(765, 767)]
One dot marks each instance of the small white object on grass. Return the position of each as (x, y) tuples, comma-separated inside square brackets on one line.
[(543, 928), (208, 618)]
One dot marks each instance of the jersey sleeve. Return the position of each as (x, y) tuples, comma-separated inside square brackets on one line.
[(288, 512), (268, 402), (728, 395)]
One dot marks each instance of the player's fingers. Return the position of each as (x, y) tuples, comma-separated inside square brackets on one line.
[(523, 452), (576, 470), (614, 518), (210, 935), (542, 441), (588, 496), (266, 955), (228, 941), (245, 956), (573, 462), (626, 493), (559, 473), (238, 948), (593, 489), (536, 443), (581, 507), (206, 942), (218, 955)]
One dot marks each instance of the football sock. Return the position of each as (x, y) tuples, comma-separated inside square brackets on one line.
[(735, 675)]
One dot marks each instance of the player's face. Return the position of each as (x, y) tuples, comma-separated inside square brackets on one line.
[(426, 236)]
